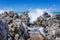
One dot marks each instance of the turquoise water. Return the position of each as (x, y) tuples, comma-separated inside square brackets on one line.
[(54, 13), (19, 13)]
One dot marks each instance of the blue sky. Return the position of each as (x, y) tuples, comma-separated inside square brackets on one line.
[(23, 5)]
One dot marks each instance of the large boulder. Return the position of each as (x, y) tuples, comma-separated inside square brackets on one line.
[(25, 18), (12, 14), (52, 28), (3, 30), (51, 25), (58, 16), (5, 14), (13, 22), (42, 20)]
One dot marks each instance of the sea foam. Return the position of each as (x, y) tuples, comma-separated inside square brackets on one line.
[(5, 10), (2, 11), (35, 13)]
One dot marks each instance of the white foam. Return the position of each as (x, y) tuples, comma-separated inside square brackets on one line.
[(5, 10), (34, 14), (1, 11)]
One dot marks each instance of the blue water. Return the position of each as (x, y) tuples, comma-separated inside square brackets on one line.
[(54, 13), (19, 13)]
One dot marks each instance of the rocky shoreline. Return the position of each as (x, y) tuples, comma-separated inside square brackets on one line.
[(15, 27)]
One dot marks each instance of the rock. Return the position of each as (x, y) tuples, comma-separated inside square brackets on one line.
[(58, 16), (46, 14), (11, 14), (13, 21), (17, 25), (51, 25), (42, 20), (25, 18), (5, 14), (3, 30)]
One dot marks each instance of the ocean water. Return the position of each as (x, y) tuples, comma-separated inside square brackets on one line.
[(56, 13), (35, 14), (19, 13)]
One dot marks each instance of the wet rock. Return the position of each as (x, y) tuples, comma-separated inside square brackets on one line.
[(42, 20), (46, 14), (58, 16)]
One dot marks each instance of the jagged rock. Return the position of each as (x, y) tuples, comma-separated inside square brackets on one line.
[(3, 30), (5, 14), (51, 25), (11, 14), (13, 21), (46, 14), (58, 16), (18, 24), (25, 18), (42, 20)]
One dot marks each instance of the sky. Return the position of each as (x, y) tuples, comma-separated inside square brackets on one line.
[(24, 5)]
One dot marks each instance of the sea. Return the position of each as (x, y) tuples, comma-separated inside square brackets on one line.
[(54, 13), (34, 15)]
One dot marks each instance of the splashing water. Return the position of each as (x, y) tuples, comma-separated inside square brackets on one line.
[(34, 14), (1, 11), (5, 10)]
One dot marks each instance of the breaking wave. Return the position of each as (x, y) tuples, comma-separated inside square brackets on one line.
[(34, 14), (2, 11), (5, 10)]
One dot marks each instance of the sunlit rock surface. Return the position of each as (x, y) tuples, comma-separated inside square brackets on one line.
[(51, 25), (25, 18), (4, 32), (13, 22), (45, 27)]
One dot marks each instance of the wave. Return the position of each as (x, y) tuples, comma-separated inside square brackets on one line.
[(35, 13), (2, 11), (5, 10)]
